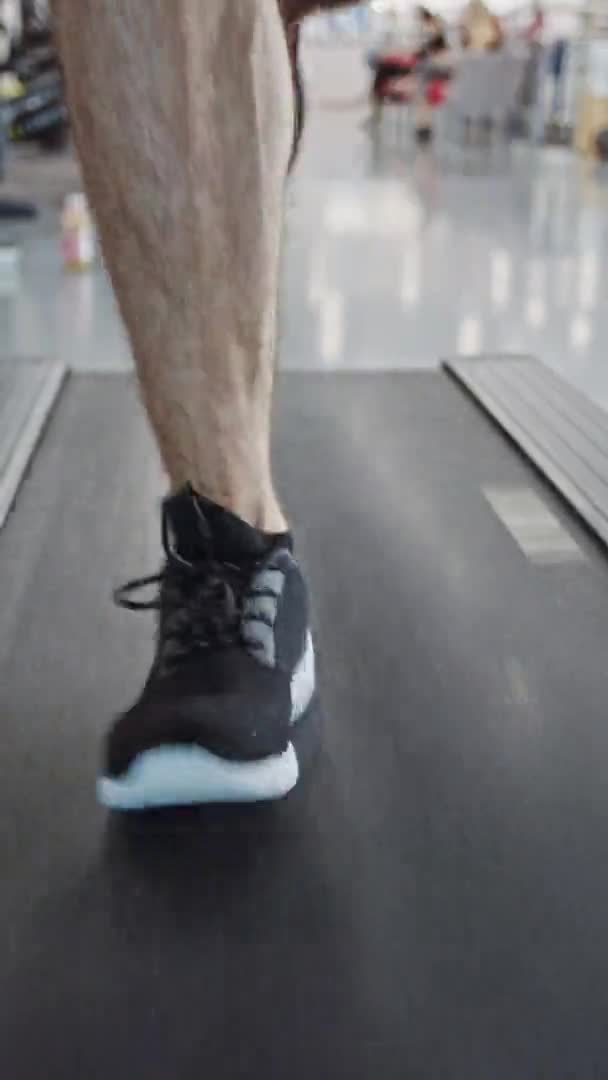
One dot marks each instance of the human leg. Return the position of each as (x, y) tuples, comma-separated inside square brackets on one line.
[(185, 147), (183, 119)]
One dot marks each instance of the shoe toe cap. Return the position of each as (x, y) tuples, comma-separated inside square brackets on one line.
[(247, 721)]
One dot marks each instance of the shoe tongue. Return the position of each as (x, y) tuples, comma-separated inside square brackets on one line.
[(200, 529)]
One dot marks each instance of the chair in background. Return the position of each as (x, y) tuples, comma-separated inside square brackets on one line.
[(507, 72), (483, 96), (394, 112)]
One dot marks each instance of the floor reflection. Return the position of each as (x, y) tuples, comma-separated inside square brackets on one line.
[(391, 261), (422, 261)]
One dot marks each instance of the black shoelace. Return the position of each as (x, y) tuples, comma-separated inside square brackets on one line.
[(199, 603)]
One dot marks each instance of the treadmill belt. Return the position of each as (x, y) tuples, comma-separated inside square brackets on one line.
[(433, 901)]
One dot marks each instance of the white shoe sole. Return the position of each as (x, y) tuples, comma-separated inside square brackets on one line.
[(190, 776)]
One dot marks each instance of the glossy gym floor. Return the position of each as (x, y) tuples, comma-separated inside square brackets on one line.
[(392, 260)]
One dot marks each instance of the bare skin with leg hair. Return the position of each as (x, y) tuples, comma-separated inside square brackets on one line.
[(185, 167)]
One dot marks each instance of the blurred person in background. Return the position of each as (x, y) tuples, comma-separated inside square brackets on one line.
[(534, 31), (432, 33), (550, 34), (480, 29), (561, 26), (183, 114), (532, 84), (433, 70), (403, 74)]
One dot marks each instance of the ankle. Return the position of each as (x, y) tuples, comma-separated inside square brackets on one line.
[(271, 518), (258, 508)]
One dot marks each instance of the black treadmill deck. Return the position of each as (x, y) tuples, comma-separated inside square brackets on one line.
[(434, 901)]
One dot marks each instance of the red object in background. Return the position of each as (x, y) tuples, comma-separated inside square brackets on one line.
[(437, 92), (534, 32), (404, 61), (392, 79)]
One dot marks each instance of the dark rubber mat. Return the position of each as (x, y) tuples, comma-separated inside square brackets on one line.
[(433, 902)]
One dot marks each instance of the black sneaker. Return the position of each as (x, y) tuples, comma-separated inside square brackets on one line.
[(229, 712)]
